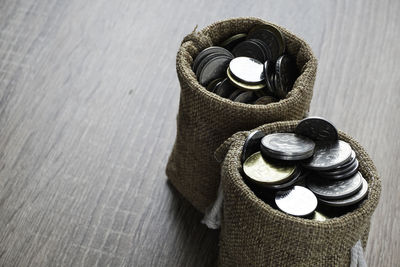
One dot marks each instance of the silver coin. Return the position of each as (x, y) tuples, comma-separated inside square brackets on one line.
[(287, 146), (247, 70), (334, 189), (342, 170), (357, 197), (329, 155), (297, 201), (252, 144), (318, 129), (342, 175), (215, 68)]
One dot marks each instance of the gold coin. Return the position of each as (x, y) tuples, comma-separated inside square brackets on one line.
[(261, 171), (319, 217), (244, 86)]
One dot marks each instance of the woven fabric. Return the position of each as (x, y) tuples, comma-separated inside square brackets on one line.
[(205, 120), (255, 234)]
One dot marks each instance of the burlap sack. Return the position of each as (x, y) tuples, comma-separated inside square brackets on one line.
[(205, 120), (255, 234)]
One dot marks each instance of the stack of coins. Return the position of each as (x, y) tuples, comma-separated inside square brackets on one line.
[(248, 67), (298, 172)]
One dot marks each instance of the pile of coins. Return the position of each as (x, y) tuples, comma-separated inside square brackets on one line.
[(248, 67), (305, 171)]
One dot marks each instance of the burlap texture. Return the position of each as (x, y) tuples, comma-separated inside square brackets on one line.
[(205, 120), (255, 234)]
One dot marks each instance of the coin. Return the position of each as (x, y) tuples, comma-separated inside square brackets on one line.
[(357, 197), (266, 50), (297, 176), (318, 216), (245, 97), (286, 75), (271, 36), (260, 171), (328, 155), (243, 86), (268, 76), (252, 144), (213, 85), (342, 173), (249, 48), (265, 100), (287, 146), (297, 201), (225, 88), (215, 68), (208, 51), (318, 129), (334, 189), (247, 70), (235, 94), (232, 41)]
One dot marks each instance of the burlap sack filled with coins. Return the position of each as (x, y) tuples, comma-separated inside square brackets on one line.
[(205, 120), (255, 234)]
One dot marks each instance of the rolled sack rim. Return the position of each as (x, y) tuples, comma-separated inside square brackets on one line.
[(362, 213), (303, 85)]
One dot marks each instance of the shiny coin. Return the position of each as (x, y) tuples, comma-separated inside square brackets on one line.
[(252, 144), (249, 48), (242, 85), (318, 216), (215, 68), (334, 189), (208, 51), (347, 163), (328, 155), (247, 70), (271, 36), (260, 171), (318, 129), (232, 41), (268, 76), (265, 100), (341, 174), (357, 197), (286, 75), (213, 85), (297, 201), (287, 146), (296, 177), (225, 89), (245, 97)]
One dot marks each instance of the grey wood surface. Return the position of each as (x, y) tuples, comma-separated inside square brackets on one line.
[(88, 99)]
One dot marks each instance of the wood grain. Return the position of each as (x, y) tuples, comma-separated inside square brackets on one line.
[(88, 99)]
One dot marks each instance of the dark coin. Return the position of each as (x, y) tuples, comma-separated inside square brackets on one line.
[(287, 146), (208, 51), (268, 74), (357, 197), (276, 86), (215, 68), (317, 129), (334, 189), (328, 155), (207, 59), (247, 70), (232, 41), (286, 71), (250, 49), (243, 86), (266, 50), (213, 85), (264, 100), (271, 36), (297, 201), (235, 94), (252, 144), (342, 173), (245, 97), (225, 88)]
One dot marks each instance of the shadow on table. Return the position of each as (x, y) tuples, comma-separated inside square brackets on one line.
[(200, 243)]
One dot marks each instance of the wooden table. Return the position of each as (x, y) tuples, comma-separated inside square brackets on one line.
[(88, 100)]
